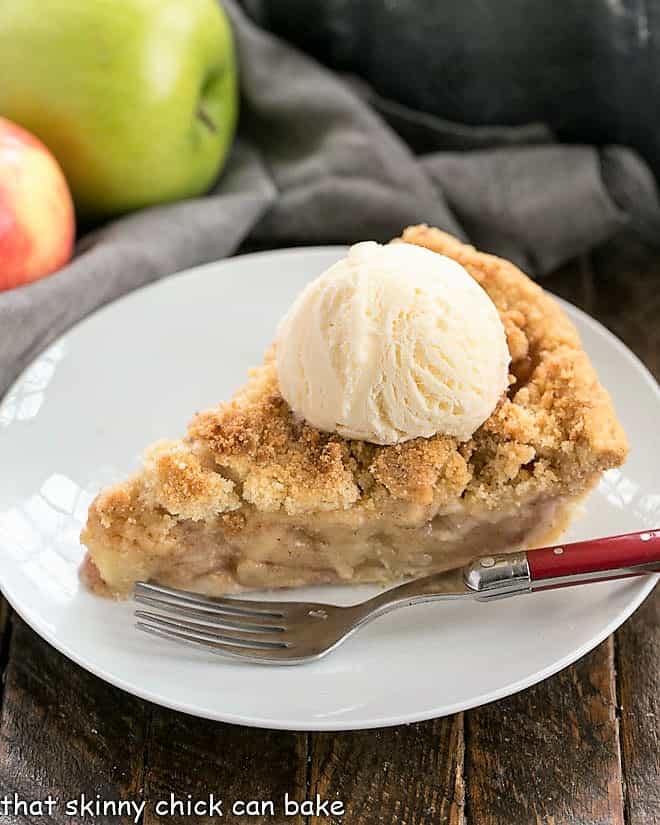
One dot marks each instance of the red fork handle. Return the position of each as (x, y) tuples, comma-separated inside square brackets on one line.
[(615, 557)]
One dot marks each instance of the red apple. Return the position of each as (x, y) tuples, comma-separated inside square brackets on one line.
[(37, 221)]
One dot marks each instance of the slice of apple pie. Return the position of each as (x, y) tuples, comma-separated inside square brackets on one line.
[(257, 495)]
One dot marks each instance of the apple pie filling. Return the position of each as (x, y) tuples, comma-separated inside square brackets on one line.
[(274, 552)]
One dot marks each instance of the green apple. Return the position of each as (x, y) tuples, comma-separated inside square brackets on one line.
[(136, 99)]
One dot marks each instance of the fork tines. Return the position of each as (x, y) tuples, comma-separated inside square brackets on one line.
[(249, 630)]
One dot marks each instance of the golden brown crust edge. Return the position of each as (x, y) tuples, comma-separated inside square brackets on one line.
[(553, 433)]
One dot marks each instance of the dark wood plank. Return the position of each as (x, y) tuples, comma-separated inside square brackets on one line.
[(407, 775), (620, 286), (4, 615), (575, 282), (5, 627), (192, 756), (628, 279), (65, 732), (638, 667), (549, 754)]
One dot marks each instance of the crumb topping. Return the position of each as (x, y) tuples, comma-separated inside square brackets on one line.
[(174, 476), (553, 431)]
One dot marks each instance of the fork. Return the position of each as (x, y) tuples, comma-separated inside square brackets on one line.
[(290, 633)]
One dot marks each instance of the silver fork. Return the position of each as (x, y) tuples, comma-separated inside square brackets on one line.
[(290, 633)]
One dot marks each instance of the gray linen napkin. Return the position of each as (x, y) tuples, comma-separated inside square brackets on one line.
[(320, 160)]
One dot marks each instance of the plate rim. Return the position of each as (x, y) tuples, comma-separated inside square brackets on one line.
[(644, 588)]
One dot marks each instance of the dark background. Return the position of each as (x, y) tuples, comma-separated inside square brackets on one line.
[(590, 69)]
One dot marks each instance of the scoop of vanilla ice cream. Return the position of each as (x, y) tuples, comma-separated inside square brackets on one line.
[(392, 343)]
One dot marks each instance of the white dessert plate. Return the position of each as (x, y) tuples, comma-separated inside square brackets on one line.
[(135, 371)]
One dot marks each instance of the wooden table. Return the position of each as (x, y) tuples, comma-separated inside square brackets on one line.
[(581, 747)]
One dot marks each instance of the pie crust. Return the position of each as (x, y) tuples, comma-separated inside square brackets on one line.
[(254, 498)]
